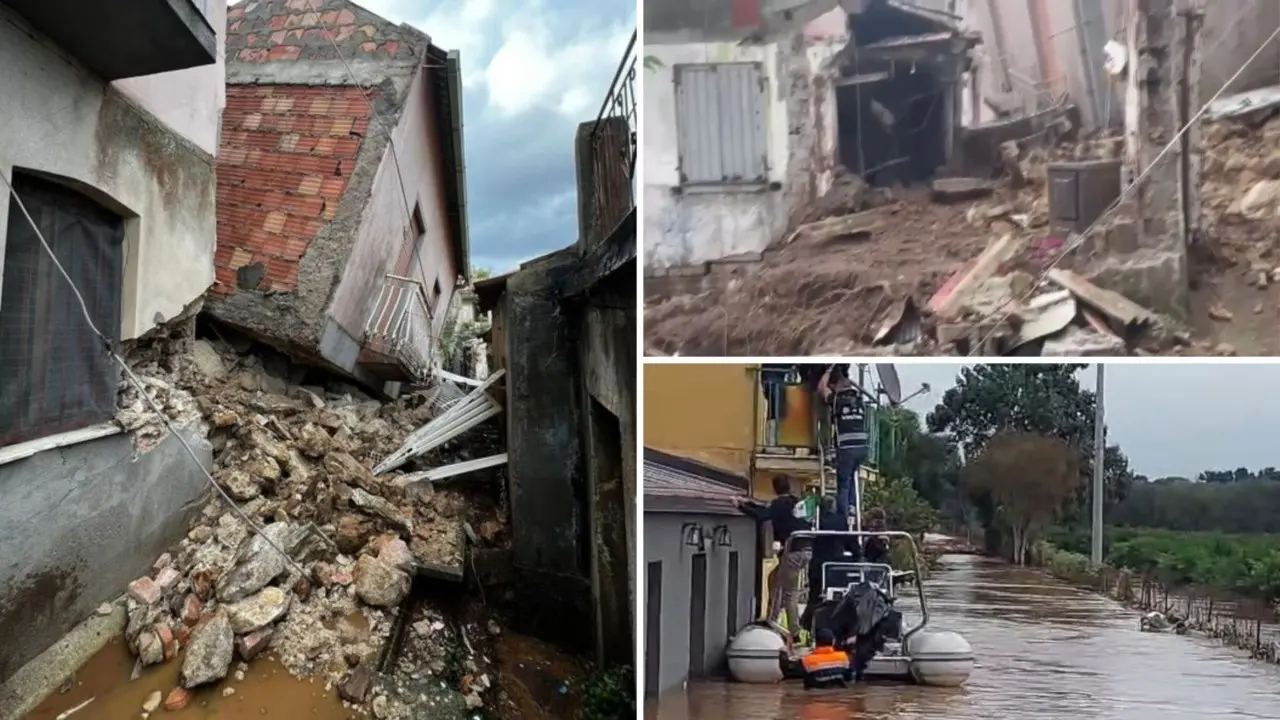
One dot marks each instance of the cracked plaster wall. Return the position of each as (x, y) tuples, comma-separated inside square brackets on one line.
[(79, 523), (62, 121), (683, 228)]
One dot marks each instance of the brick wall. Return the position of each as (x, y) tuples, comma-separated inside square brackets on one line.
[(284, 30), (287, 154)]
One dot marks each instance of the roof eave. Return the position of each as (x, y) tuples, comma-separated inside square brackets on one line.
[(461, 232)]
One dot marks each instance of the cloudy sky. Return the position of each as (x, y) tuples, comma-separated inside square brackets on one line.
[(532, 70), (1169, 419)]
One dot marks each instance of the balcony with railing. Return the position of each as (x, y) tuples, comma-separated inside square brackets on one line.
[(398, 344), (788, 423), (791, 419), (611, 143)]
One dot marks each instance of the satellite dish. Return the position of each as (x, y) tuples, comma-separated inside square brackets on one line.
[(888, 375)]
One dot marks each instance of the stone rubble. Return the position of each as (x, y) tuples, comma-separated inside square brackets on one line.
[(297, 460)]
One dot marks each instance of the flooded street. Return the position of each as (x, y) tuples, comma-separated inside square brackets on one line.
[(1043, 649)]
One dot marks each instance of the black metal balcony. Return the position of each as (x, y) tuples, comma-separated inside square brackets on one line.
[(612, 145), (124, 39)]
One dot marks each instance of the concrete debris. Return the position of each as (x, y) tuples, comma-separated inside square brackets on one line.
[(258, 611), (378, 583), (210, 653), (299, 460), (250, 645)]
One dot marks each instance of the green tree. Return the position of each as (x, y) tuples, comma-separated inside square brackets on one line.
[(906, 451), (903, 507), (1029, 479), (480, 273), (1045, 400)]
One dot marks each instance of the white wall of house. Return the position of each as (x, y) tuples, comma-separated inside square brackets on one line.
[(189, 101), (684, 224), (689, 227), (61, 121)]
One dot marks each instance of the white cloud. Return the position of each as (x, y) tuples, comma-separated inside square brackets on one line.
[(531, 69), (463, 26)]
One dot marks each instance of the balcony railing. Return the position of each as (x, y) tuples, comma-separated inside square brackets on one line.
[(613, 151), (792, 418), (399, 325)]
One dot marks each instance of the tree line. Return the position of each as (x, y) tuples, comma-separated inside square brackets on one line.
[(1009, 450)]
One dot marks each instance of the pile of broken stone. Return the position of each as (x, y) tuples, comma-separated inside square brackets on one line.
[(296, 460)]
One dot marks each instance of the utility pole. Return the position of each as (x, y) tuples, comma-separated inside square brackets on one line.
[(1099, 454)]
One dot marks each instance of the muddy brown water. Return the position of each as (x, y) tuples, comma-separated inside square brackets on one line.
[(268, 690), (1044, 650)]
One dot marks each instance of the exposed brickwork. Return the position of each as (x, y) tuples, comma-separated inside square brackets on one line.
[(287, 153), (289, 30)]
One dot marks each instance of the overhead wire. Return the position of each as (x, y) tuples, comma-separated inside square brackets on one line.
[(142, 389), (1124, 194)]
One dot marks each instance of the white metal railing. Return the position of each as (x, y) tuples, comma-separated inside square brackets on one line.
[(399, 325)]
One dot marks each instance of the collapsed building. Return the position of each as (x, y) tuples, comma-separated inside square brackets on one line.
[(300, 373), (111, 126), (341, 188), (1048, 226), (809, 92)]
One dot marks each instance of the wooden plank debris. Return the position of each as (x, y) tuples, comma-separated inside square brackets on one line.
[(822, 231), (1114, 306), (954, 294)]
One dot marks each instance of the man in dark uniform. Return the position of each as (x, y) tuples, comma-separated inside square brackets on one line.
[(852, 436)]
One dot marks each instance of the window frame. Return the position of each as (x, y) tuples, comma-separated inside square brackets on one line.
[(758, 126)]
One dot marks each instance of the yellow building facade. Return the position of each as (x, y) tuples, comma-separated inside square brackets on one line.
[(718, 414)]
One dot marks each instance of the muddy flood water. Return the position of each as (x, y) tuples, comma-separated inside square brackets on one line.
[(268, 690), (1044, 650), (538, 682)]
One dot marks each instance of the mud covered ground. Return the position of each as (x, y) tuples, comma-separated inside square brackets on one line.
[(831, 297)]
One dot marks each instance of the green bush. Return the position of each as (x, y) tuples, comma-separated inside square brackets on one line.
[(608, 694), (1245, 565)]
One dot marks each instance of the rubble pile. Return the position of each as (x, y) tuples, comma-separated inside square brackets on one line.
[(296, 459), (1241, 194)]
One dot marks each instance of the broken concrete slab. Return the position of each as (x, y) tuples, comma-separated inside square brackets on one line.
[(1113, 305), (258, 563), (960, 189), (258, 611), (379, 584)]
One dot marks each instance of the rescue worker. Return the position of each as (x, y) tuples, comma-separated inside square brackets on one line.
[(785, 514), (826, 667), (875, 548), (826, 549), (853, 441)]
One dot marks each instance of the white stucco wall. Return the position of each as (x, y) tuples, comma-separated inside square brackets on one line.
[(189, 101), (690, 227), (695, 227), (59, 119)]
